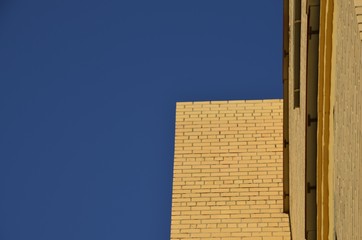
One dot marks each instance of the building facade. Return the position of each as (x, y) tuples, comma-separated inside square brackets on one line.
[(322, 73), (227, 180), (280, 169)]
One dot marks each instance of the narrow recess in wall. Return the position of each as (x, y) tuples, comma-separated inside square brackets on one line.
[(358, 8), (286, 107), (296, 75)]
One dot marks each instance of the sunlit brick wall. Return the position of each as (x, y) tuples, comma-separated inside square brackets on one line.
[(227, 180), (346, 147)]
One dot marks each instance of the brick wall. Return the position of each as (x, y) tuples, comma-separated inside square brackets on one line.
[(227, 180), (297, 123), (347, 125)]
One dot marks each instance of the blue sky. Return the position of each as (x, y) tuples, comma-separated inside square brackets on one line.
[(87, 102)]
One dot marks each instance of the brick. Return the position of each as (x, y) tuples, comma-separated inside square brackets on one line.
[(223, 172)]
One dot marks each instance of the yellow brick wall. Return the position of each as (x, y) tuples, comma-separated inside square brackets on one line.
[(297, 118), (227, 180), (346, 147)]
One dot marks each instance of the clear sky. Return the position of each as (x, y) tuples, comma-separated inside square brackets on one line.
[(87, 104)]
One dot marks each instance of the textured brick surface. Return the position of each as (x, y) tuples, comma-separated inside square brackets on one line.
[(297, 135), (347, 126), (227, 180)]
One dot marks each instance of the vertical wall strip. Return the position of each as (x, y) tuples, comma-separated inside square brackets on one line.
[(286, 107), (297, 29)]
